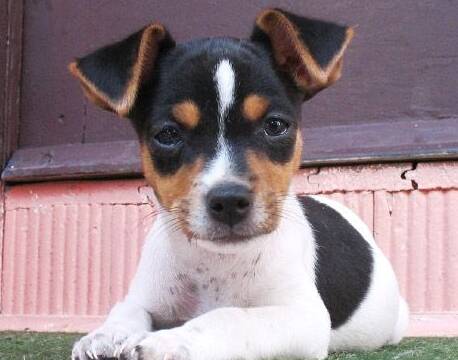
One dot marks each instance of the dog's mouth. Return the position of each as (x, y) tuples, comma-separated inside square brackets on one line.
[(228, 242), (231, 236), (223, 234)]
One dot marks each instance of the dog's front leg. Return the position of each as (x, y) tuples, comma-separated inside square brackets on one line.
[(130, 318), (126, 318), (244, 333)]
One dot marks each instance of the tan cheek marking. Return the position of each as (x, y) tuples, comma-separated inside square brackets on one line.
[(186, 113), (170, 189), (272, 180), (254, 107)]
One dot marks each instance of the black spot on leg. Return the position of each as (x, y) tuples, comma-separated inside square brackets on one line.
[(196, 329), (193, 288), (140, 352), (256, 261), (205, 286), (182, 277)]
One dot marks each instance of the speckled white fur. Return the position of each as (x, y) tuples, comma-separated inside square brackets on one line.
[(258, 300)]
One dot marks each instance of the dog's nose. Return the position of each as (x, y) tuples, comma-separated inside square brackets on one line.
[(229, 203)]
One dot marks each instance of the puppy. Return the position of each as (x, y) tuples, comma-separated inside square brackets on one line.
[(236, 265)]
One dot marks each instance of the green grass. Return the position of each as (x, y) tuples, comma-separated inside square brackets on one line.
[(35, 346), (46, 346), (422, 348)]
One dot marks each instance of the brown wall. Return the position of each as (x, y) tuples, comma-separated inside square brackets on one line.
[(401, 67)]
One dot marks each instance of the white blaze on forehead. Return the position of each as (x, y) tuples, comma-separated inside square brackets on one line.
[(220, 166), (225, 84)]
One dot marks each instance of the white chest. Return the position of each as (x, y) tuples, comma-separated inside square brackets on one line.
[(188, 280), (211, 283)]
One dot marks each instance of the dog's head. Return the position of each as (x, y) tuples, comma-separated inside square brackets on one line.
[(218, 119)]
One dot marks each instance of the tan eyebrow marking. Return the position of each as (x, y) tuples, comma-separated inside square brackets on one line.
[(254, 107), (187, 113)]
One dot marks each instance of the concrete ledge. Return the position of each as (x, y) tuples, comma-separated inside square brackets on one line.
[(49, 323), (433, 325)]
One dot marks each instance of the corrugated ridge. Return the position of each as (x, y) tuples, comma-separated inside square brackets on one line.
[(71, 259), (418, 231), (78, 259)]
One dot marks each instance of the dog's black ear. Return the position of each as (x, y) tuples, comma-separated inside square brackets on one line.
[(112, 76), (309, 51)]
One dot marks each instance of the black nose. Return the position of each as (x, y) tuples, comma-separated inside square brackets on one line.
[(229, 203)]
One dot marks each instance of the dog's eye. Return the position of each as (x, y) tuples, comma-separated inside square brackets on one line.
[(168, 136), (275, 126)]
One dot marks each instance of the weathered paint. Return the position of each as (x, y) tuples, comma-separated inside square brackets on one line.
[(70, 248), (353, 178)]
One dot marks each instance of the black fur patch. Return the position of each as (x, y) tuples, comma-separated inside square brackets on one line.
[(187, 73), (110, 67), (344, 260)]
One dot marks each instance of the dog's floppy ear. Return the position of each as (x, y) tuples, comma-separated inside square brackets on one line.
[(310, 51), (112, 76)]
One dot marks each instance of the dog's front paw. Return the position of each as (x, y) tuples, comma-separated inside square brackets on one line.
[(101, 344), (171, 344)]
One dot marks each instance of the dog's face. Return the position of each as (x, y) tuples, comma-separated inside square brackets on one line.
[(218, 119), (220, 140)]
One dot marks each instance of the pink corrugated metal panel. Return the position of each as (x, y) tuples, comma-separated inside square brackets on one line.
[(70, 259), (360, 202), (71, 248), (418, 231), (451, 251)]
